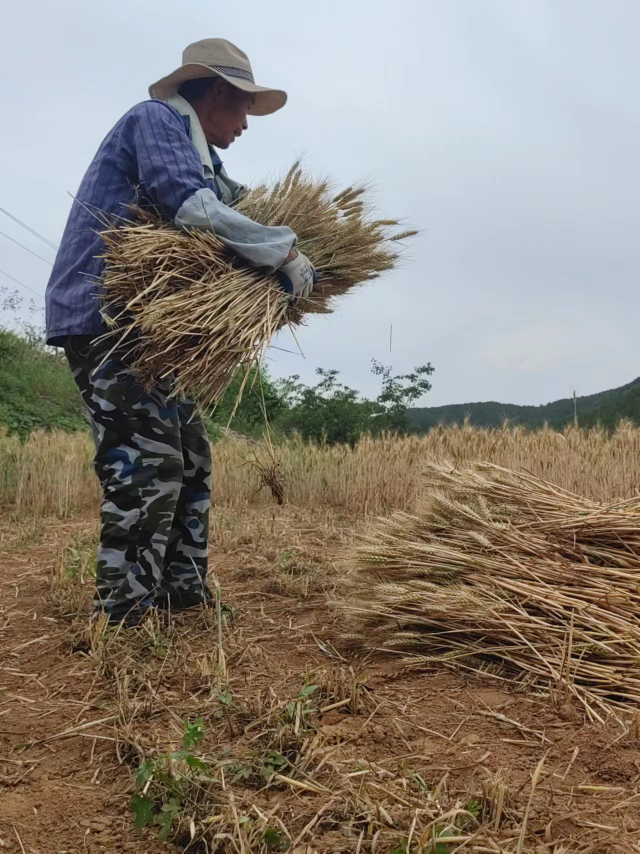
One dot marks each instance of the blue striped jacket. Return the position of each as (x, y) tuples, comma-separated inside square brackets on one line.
[(147, 155)]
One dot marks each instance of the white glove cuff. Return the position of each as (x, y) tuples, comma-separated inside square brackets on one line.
[(296, 266)]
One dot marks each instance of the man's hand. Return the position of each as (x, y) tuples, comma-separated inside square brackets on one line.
[(298, 276)]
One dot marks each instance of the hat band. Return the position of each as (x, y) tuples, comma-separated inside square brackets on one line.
[(230, 71)]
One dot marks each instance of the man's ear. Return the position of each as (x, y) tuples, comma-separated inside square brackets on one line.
[(219, 91)]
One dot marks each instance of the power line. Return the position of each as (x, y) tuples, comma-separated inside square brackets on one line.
[(28, 227), (17, 242), (13, 278)]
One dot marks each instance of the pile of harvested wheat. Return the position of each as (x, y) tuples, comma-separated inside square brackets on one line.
[(197, 315), (502, 572)]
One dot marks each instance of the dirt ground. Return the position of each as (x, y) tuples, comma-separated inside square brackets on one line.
[(300, 746)]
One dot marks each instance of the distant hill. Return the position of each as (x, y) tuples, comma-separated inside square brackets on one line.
[(605, 407)]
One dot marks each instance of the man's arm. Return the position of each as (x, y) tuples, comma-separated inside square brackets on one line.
[(157, 148), (261, 245)]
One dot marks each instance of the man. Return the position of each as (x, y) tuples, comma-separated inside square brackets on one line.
[(152, 452)]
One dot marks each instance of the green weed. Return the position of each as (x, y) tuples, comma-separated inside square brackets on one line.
[(258, 769), (170, 784), (299, 710)]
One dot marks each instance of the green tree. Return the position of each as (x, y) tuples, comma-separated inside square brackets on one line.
[(37, 391), (332, 412), (398, 393), (326, 412), (261, 399)]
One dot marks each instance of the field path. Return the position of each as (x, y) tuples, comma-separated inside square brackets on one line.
[(56, 795), (418, 738)]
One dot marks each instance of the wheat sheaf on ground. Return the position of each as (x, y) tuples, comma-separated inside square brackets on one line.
[(504, 572), (198, 315)]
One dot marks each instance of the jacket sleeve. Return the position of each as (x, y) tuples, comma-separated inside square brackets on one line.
[(260, 245), (167, 166), (159, 155)]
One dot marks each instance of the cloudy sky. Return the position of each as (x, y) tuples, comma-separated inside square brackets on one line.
[(508, 131)]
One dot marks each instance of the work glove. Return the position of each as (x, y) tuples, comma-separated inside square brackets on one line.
[(298, 277)]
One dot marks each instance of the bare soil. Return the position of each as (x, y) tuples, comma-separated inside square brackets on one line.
[(375, 758)]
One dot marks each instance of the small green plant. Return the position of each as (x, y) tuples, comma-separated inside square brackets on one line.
[(285, 557), (301, 707), (224, 696), (227, 612), (474, 808), (163, 785), (274, 841), (142, 807), (434, 847), (80, 557), (157, 635), (292, 562), (420, 783), (165, 818), (272, 763), (259, 768), (241, 772), (438, 848), (193, 734)]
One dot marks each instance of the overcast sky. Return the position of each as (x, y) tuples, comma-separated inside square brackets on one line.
[(508, 131)]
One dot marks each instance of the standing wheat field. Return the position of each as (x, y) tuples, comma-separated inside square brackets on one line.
[(51, 473)]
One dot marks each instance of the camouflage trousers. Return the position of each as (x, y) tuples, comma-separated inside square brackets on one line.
[(154, 465)]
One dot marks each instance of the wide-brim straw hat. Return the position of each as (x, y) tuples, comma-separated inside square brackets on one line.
[(220, 58)]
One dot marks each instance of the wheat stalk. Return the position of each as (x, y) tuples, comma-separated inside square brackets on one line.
[(192, 315), (509, 568)]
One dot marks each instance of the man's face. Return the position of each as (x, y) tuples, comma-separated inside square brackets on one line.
[(223, 113)]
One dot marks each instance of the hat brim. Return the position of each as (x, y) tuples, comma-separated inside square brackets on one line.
[(266, 101)]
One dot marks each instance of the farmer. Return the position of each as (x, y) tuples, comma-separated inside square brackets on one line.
[(152, 452)]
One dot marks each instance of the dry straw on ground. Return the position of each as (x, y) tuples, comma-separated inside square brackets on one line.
[(505, 572), (199, 316)]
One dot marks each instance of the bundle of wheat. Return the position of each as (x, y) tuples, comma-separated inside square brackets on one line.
[(196, 315), (504, 572)]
